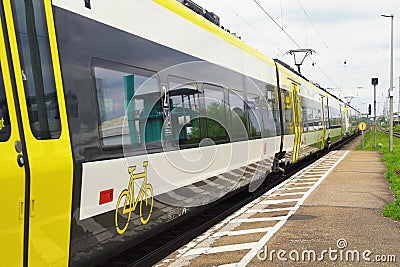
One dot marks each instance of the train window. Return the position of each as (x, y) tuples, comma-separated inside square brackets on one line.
[(334, 117), (37, 70), (5, 127), (253, 107), (215, 112), (130, 107), (311, 115), (185, 109), (273, 105), (238, 117), (269, 124)]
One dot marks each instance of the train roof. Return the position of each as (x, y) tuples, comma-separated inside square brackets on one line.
[(289, 68)]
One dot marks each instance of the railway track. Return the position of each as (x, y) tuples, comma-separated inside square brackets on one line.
[(161, 245), (395, 134)]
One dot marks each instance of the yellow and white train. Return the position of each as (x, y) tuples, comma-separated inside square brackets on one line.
[(118, 117)]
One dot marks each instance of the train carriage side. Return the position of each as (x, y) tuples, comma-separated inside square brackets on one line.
[(103, 103), (305, 113), (355, 119), (335, 131), (133, 103)]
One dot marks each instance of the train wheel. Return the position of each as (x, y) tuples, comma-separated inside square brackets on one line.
[(122, 214), (148, 199)]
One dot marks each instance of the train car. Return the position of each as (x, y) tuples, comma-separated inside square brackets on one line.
[(305, 114), (335, 129), (118, 119), (352, 118)]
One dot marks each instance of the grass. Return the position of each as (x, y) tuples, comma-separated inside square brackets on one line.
[(397, 128), (392, 160)]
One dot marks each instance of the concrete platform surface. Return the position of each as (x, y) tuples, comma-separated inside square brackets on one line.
[(328, 214), (341, 221)]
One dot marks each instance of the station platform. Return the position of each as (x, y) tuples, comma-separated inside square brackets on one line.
[(328, 214)]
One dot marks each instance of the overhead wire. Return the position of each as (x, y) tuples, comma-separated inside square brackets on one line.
[(322, 38), (252, 27), (315, 28), (326, 75), (292, 39), (277, 24)]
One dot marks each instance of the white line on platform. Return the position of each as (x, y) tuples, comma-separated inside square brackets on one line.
[(295, 188), (266, 219), (314, 175), (211, 250), (228, 265), (286, 194), (306, 177), (278, 201), (242, 232), (299, 183), (260, 244), (269, 210)]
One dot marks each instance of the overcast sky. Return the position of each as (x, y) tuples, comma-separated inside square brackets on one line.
[(339, 31)]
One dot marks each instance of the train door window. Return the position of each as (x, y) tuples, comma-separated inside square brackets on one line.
[(253, 108), (185, 109), (216, 111), (288, 112), (304, 115), (5, 127), (268, 120), (273, 105), (129, 106), (37, 70), (238, 117)]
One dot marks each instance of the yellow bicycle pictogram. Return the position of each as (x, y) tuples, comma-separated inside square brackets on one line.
[(145, 195)]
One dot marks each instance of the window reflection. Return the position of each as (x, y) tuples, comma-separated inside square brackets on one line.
[(255, 114), (5, 127), (185, 109), (130, 107), (37, 70), (238, 116), (215, 112)]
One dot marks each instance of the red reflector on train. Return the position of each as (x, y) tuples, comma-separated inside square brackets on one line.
[(106, 196)]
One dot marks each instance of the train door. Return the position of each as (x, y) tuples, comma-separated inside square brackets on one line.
[(341, 121), (296, 121), (36, 161), (12, 172), (324, 125)]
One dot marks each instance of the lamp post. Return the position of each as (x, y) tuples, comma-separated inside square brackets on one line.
[(391, 16), (374, 83)]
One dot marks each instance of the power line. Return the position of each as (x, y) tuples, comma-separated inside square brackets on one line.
[(326, 75), (252, 27), (317, 31), (281, 27), (293, 40)]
